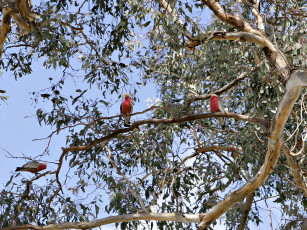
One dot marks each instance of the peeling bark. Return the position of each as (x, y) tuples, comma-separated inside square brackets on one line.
[(23, 15), (233, 20), (25, 10), (276, 58), (5, 26)]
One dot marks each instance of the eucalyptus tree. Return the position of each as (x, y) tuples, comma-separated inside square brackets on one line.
[(174, 164)]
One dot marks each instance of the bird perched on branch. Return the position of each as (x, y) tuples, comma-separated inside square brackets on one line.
[(126, 109), (235, 152), (217, 106), (33, 167)]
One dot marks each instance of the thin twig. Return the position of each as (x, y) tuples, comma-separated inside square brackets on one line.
[(240, 78)]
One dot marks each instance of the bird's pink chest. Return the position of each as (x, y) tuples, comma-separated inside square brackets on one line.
[(41, 167), (214, 105), (126, 106)]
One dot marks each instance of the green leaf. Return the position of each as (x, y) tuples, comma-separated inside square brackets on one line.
[(45, 95)]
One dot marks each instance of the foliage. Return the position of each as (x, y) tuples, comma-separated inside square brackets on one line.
[(103, 43)]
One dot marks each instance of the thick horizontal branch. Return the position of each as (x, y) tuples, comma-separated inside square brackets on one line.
[(275, 57), (230, 36), (185, 218), (182, 119)]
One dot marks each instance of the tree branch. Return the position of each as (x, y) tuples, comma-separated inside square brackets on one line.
[(5, 26), (230, 19), (230, 36), (295, 169), (184, 218), (247, 208), (175, 16), (22, 23), (137, 196), (182, 119), (224, 88), (24, 9), (275, 57), (257, 14), (294, 86)]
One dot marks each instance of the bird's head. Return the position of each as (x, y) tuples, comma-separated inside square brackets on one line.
[(231, 148), (44, 165), (126, 95)]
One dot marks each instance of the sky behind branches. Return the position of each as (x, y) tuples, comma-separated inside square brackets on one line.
[(19, 129), (19, 125)]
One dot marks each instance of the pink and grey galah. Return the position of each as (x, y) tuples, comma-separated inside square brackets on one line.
[(126, 108), (236, 152), (217, 106), (33, 167)]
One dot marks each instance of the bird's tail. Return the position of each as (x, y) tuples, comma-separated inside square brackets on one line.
[(127, 121), (222, 122)]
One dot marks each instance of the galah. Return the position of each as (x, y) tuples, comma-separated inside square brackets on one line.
[(126, 109), (217, 106), (33, 167), (236, 152)]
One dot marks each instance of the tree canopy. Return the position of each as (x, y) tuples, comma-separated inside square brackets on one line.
[(174, 164)]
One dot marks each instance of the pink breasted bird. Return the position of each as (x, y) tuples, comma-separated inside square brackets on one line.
[(236, 152), (217, 106), (126, 109), (33, 167)]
